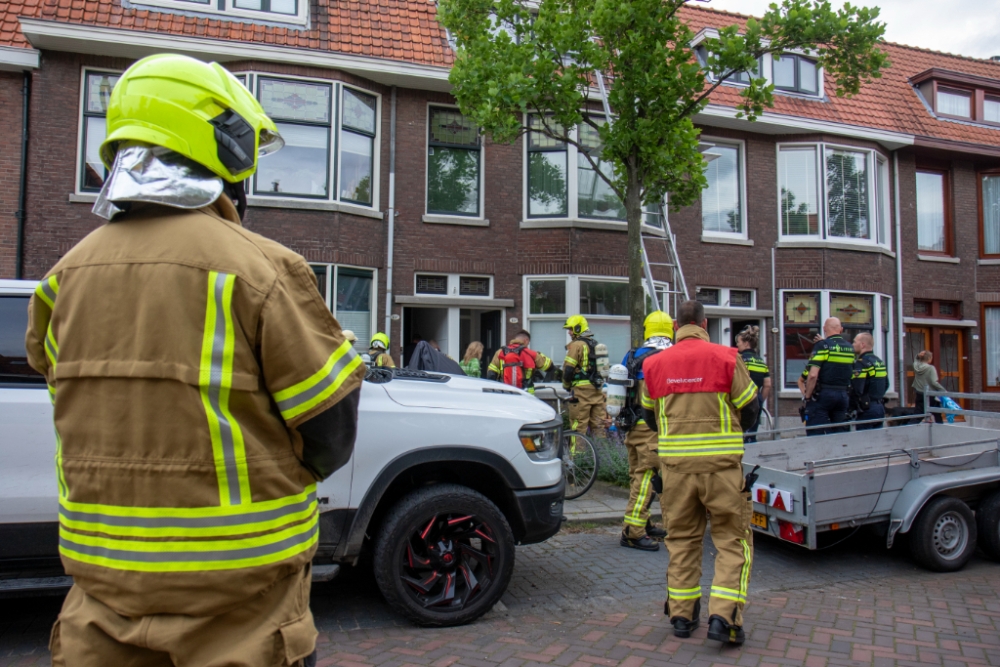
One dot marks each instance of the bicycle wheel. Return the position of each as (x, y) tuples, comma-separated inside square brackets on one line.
[(579, 459)]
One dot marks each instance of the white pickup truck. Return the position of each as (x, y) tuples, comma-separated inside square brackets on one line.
[(448, 474)]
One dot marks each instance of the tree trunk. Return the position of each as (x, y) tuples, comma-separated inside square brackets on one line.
[(636, 294)]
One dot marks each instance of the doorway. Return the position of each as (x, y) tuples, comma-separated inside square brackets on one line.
[(429, 324), (486, 326), (948, 348), (453, 329)]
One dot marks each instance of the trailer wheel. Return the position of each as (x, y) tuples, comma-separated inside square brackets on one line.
[(943, 537), (988, 525)]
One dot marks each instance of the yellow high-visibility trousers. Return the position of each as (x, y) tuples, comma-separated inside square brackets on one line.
[(587, 410), (721, 493), (643, 462)]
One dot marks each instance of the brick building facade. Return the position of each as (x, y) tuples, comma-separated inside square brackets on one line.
[(812, 211)]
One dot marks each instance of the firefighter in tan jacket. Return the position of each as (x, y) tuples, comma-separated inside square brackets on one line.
[(701, 398), (201, 389), (587, 407)]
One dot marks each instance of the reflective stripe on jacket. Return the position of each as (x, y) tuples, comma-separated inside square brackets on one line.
[(576, 365), (181, 351), (696, 389), (834, 357)]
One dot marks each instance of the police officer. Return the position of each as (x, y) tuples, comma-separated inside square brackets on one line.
[(189, 446), (379, 352), (830, 369), (747, 343), (580, 376), (869, 383), (641, 442)]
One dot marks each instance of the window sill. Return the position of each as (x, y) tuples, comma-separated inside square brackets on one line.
[(790, 393), (935, 258), (988, 262), (455, 220), (728, 240), (82, 198), (314, 205), (834, 245), (586, 223)]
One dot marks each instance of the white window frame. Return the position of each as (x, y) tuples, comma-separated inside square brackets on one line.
[(572, 305), (331, 294), (724, 297), (454, 284), (255, 199), (872, 161), (81, 150), (741, 146), (572, 217), (230, 10), (458, 217), (887, 356)]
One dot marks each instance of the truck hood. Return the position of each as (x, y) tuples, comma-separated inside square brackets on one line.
[(469, 395)]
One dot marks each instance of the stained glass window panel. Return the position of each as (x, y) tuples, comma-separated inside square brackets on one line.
[(359, 111), (296, 100), (449, 126), (99, 87), (802, 308), (852, 309)]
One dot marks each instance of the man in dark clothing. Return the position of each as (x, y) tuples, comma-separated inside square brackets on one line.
[(830, 369), (869, 383)]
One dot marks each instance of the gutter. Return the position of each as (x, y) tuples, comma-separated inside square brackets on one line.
[(900, 327), (23, 179), (390, 215)]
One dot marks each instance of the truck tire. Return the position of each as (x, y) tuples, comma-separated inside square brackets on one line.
[(988, 525), (444, 555), (943, 538)]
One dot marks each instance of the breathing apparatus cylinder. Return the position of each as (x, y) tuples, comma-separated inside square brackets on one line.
[(601, 360), (617, 385), (367, 358)]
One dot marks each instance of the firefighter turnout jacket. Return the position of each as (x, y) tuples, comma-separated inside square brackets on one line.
[(381, 359), (182, 352), (579, 366), (696, 391), (834, 357)]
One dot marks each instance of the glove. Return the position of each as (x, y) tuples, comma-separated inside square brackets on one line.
[(657, 483), (557, 374), (750, 479)]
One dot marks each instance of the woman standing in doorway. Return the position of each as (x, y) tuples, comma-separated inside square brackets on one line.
[(925, 376), (470, 362)]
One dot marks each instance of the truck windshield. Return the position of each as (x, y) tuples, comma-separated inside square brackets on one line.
[(13, 359)]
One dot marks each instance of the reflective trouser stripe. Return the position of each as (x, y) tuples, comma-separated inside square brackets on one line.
[(215, 380), (684, 593), (633, 518), (322, 384), (745, 573), (728, 594)]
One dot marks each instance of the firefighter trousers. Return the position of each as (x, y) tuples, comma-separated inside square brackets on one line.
[(273, 629), (587, 410), (720, 493), (643, 462)]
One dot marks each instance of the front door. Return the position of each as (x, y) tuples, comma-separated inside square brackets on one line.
[(917, 339), (948, 348), (491, 334)]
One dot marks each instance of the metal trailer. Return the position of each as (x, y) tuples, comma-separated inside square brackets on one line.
[(940, 483)]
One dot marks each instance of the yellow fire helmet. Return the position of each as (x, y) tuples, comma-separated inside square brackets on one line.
[(577, 324), (380, 341), (658, 323), (196, 109)]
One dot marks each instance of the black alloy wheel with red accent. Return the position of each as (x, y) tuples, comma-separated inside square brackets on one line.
[(444, 555)]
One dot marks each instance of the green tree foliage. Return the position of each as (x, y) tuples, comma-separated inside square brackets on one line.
[(516, 58)]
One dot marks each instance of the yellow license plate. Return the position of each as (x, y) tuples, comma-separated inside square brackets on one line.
[(759, 520)]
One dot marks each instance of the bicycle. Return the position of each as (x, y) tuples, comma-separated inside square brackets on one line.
[(578, 453)]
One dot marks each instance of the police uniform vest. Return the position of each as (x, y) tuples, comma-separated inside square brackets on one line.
[(756, 367), (835, 358), (179, 467), (871, 378)]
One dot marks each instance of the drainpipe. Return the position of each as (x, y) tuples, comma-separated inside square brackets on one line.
[(391, 215), (777, 312), (23, 185), (900, 329)]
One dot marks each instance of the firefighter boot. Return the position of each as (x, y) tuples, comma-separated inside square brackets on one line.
[(654, 531), (684, 627), (642, 543), (721, 631)]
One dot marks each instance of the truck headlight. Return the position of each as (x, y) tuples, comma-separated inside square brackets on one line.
[(541, 441)]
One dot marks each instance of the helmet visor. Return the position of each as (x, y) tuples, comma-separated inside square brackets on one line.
[(270, 142)]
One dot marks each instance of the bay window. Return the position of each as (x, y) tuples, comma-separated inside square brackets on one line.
[(453, 164), (803, 314), (303, 113), (357, 153), (833, 193), (349, 293)]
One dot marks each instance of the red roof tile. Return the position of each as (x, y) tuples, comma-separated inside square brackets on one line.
[(407, 30)]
